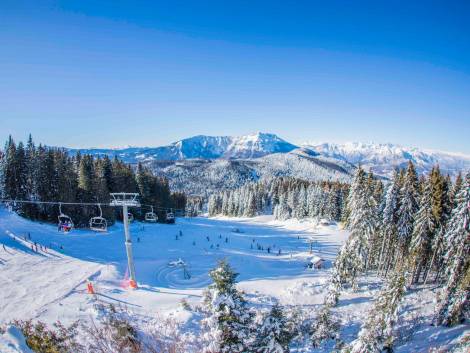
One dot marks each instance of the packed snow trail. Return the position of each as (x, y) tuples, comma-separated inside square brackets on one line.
[(52, 281)]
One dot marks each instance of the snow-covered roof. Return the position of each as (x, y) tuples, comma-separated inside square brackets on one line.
[(316, 259)]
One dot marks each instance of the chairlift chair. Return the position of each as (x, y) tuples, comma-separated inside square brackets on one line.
[(65, 224), (130, 217), (170, 217), (151, 216), (99, 223)]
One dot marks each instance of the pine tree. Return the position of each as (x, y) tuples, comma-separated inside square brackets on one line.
[(355, 256), (376, 333), (10, 179), (325, 327), (407, 210), (334, 289), (454, 300), (250, 210), (389, 223), (229, 321), (423, 232), (275, 333)]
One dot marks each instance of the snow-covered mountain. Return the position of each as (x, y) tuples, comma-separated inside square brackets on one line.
[(382, 159), (204, 176), (203, 147), (201, 164)]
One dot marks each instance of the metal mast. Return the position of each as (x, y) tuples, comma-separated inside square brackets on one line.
[(127, 200)]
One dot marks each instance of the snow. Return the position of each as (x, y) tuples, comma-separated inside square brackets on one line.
[(51, 285), (13, 341), (381, 158), (205, 147), (384, 158), (54, 283)]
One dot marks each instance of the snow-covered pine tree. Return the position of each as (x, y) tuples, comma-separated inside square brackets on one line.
[(389, 221), (229, 320), (363, 223), (423, 233), (376, 332), (275, 332), (250, 210), (454, 298), (325, 327), (211, 205), (407, 209), (333, 290), (354, 193)]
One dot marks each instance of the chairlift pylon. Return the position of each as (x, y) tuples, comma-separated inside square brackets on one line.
[(99, 223), (65, 224), (151, 216)]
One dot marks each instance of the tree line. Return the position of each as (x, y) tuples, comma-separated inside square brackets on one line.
[(285, 197), (41, 173), (417, 232)]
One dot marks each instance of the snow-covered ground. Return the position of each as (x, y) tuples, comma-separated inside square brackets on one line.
[(51, 285)]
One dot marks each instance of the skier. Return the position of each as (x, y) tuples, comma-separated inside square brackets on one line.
[(269, 250), (226, 239), (3, 245), (181, 233), (207, 237)]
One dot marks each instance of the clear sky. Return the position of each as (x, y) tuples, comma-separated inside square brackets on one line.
[(146, 73)]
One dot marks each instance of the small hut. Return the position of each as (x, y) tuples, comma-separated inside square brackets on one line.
[(316, 262)]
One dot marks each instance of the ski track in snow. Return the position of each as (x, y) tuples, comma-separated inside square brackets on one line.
[(53, 284)]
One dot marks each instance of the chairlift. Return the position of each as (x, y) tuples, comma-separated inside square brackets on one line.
[(99, 224), (151, 216), (170, 217), (65, 224)]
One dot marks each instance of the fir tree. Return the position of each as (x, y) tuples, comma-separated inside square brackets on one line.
[(423, 232), (229, 320), (275, 333), (355, 255), (376, 333), (454, 299), (407, 209), (325, 327), (389, 222)]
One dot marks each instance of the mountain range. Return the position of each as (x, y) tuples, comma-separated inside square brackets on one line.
[(200, 164)]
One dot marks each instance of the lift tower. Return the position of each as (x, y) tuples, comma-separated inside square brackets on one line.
[(125, 200)]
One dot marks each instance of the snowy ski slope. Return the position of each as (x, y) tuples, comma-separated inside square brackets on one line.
[(51, 285)]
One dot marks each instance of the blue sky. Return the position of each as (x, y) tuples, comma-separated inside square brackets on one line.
[(114, 73)]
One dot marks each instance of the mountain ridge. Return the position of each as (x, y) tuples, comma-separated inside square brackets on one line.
[(381, 158)]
